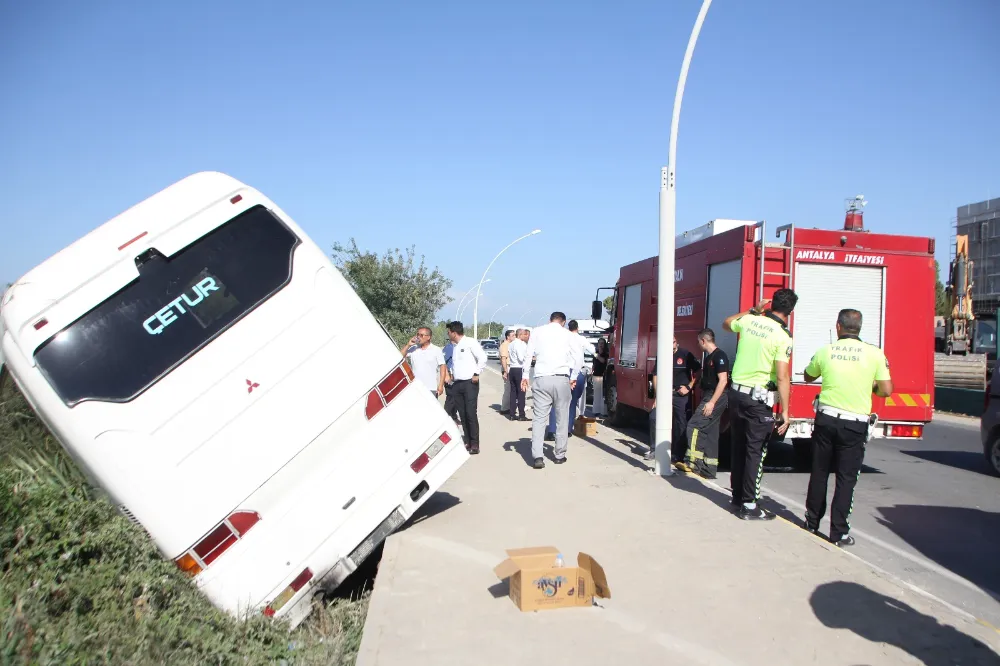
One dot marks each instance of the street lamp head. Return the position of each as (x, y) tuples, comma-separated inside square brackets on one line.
[(536, 231)]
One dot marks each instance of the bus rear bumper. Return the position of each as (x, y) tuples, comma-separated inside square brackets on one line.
[(342, 552)]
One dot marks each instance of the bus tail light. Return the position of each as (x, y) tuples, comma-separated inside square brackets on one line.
[(906, 431), (432, 450), (288, 592), (387, 389), (216, 542)]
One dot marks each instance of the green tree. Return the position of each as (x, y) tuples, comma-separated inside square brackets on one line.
[(400, 292), (941, 304), (609, 304)]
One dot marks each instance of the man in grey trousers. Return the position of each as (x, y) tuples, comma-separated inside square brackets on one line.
[(555, 365)]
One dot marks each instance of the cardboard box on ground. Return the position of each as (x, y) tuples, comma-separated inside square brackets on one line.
[(537, 584), (585, 426)]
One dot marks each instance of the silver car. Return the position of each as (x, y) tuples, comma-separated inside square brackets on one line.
[(989, 424), (491, 348)]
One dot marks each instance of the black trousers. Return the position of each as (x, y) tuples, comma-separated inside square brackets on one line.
[(838, 445), (514, 376), (467, 402), (450, 406), (703, 436), (752, 425), (678, 428)]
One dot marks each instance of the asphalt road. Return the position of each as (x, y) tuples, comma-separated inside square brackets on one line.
[(927, 512)]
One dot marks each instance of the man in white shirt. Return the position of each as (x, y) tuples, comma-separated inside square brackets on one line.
[(578, 344), (426, 360), (552, 386), (468, 360), (518, 354)]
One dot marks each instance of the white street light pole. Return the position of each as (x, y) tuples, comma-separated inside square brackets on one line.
[(475, 312), (493, 317), (458, 310), (521, 318), (468, 303), (665, 274)]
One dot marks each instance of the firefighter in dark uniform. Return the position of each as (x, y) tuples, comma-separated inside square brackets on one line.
[(760, 371), (685, 365), (703, 428), (851, 371)]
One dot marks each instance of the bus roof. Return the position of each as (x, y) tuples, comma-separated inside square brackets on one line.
[(99, 250)]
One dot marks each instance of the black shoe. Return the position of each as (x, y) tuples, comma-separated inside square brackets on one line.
[(812, 530), (550, 437), (559, 461), (845, 541), (539, 463), (474, 450), (754, 514), (523, 418)]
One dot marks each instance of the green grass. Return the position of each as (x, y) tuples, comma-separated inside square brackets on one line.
[(80, 584)]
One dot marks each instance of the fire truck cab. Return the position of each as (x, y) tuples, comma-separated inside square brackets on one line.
[(727, 266)]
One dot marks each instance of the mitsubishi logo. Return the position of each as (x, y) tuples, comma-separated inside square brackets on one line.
[(251, 386)]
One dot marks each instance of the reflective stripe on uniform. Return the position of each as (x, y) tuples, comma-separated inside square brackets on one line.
[(760, 471), (692, 447)]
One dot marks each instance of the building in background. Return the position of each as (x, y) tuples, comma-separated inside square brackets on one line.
[(981, 223)]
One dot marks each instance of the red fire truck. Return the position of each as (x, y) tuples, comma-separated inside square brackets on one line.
[(727, 266)]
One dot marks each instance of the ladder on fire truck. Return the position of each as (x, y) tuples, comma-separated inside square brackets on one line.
[(782, 263)]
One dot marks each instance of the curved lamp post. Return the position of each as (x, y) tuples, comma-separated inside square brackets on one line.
[(458, 310), (465, 307), (475, 312), (665, 274), (493, 318)]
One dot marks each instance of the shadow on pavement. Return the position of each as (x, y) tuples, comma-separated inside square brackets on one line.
[(689, 484), (970, 461), (438, 503), (637, 448), (522, 446), (957, 538), (500, 590), (882, 619), (635, 462)]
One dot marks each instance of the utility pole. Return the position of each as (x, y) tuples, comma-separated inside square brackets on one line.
[(665, 273)]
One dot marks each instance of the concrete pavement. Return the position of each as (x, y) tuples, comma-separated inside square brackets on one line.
[(691, 584), (927, 511)]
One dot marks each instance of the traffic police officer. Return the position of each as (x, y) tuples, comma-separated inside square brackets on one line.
[(851, 370), (762, 355)]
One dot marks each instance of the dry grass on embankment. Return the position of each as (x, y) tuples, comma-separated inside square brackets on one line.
[(81, 584)]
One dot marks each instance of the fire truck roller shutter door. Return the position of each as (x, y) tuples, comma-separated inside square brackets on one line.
[(630, 326), (824, 290), (723, 300)]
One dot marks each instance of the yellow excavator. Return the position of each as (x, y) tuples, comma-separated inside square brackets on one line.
[(958, 326), (968, 343)]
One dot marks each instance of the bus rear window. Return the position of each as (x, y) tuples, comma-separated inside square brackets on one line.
[(175, 307)]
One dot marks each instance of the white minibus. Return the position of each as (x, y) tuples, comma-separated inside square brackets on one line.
[(209, 368)]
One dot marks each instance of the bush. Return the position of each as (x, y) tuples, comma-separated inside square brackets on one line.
[(79, 583)]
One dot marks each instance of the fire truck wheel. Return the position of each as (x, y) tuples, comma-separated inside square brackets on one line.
[(803, 451)]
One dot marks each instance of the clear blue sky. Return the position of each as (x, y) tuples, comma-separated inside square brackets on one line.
[(458, 126)]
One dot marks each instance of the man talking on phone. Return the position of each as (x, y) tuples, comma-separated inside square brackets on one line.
[(426, 360), (761, 377)]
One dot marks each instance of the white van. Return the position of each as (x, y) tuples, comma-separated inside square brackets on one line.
[(210, 369)]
